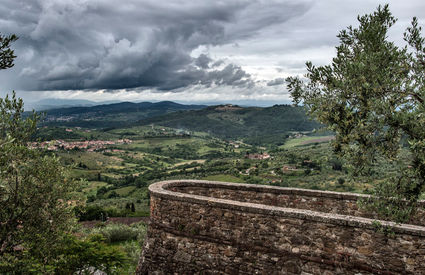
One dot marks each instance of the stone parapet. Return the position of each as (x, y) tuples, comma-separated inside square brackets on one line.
[(229, 228)]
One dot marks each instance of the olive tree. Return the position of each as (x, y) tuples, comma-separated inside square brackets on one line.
[(34, 190), (372, 97), (36, 201), (7, 55)]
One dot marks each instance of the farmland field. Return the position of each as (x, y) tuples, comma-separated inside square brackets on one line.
[(306, 140)]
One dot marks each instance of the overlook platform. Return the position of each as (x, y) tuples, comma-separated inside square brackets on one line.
[(231, 228)]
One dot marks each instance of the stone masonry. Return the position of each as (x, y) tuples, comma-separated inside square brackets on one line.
[(202, 227)]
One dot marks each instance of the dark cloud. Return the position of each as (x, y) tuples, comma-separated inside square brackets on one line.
[(203, 61), (275, 82), (103, 44), (230, 75)]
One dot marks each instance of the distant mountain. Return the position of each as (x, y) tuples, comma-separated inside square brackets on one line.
[(56, 103), (112, 115), (256, 125)]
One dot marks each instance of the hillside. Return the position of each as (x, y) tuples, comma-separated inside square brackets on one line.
[(253, 124), (111, 115)]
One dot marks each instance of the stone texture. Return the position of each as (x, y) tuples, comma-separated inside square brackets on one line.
[(225, 228)]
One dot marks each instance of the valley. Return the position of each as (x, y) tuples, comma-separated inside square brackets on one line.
[(115, 165)]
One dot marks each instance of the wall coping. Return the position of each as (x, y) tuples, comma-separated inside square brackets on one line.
[(161, 190)]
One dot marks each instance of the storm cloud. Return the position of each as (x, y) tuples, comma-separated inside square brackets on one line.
[(276, 81), (77, 44), (181, 50)]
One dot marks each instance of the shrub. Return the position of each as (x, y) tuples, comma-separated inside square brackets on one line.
[(90, 213), (132, 249), (118, 233)]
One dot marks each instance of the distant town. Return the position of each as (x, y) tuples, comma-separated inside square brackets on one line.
[(87, 145)]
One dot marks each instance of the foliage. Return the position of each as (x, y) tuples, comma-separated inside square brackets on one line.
[(120, 232), (34, 190), (254, 124), (129, 238), (76, 255), (36, 201), (132, 249), (36, 210), (13, 128), (81, 255), (90, 213), (7, 55), (112, 115), (96, 212), (371, 96)]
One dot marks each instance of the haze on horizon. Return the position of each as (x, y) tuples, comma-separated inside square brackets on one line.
[(235, 51)]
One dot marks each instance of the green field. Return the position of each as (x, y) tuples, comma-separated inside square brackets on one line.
[(305, 140), (116, 178), (121, 174), (125, 191), (225, 178)]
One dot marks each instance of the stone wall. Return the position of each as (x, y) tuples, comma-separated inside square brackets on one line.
[(226, 228)]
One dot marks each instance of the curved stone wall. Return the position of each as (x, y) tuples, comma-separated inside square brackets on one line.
[(229, 228)]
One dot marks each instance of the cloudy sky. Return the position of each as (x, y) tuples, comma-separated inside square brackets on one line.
[(188, 51)]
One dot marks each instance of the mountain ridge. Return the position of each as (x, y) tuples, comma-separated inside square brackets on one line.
[(119, 105), (120, 114)]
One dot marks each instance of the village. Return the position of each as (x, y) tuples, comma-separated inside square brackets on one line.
[(87, 145)]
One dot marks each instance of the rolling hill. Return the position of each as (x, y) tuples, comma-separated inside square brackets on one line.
[(254, 125), (111, 115)]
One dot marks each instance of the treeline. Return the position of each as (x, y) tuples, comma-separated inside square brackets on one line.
[(98, 213)]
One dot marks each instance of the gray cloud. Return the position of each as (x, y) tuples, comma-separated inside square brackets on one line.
[(201, 51), (276, 81), (203, 61), (99, 44)]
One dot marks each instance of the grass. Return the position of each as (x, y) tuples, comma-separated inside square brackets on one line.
[(304, 141), (189, 162), (159, 142), (86, 174), (93, 186), (226, 178), (129, 238), (206, 149), (125, 191)]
